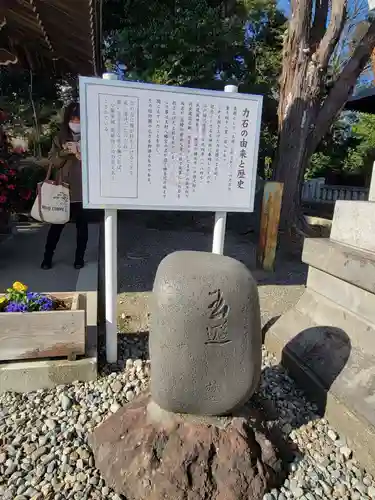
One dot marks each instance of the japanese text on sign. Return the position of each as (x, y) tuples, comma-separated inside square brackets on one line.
[(168, 148)]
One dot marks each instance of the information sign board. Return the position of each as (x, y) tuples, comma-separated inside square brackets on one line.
[(168, 148)]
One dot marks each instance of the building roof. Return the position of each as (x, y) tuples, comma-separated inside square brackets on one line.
[(62, 35), (363, 101)]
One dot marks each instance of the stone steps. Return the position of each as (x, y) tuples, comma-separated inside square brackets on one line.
[(327, 340), (335, 367), (345, 262)]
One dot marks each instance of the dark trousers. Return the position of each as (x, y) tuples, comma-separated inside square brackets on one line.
[(77, 214)]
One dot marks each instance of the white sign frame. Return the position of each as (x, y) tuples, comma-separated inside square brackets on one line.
[(85, 82)]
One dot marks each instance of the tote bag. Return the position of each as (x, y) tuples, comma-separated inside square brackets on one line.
[(52, 202)]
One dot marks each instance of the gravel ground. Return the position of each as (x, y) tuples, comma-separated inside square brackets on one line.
[(44, 451)]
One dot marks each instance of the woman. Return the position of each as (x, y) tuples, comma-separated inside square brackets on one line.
[(66, 156)]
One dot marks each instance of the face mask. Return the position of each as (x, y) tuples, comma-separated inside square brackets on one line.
[(75, 127)]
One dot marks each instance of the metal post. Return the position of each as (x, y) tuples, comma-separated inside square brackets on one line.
[(110, 255), (371, 194), (221, 217)]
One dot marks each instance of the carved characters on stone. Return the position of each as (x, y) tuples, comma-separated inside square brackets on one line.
[(217, 330)]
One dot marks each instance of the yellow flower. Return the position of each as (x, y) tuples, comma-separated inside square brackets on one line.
[(19, 287), (2, 300)]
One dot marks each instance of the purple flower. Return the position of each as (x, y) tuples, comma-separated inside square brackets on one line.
[(30, 302), (16, 307), (38, 302)]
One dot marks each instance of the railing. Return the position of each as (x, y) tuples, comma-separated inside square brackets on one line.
[(316, 191)]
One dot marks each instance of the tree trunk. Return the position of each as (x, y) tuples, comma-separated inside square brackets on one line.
[(306, 110)]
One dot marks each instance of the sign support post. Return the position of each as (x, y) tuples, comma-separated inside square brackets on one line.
[(221, 217), (110, 256)]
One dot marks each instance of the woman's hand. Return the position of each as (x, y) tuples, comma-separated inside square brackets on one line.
[(71, 147)]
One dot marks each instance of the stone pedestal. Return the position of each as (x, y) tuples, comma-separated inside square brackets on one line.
[(146, 453), (328, 339)]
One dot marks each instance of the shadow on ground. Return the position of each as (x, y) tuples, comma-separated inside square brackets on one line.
[(145, 238), (325, 351)]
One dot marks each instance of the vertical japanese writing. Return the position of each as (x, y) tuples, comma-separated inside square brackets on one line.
[(218, 139), (149, 140), (241, 174), (132, 137), (118, 145), (174, 153), (232, 148), (106, 116), (202, 145), (189, 150), (165, 155), (119, 150), (125, 114), (158, 107), (196, 147), (181, 149), (210, 144), (113, 139), (226, 135)]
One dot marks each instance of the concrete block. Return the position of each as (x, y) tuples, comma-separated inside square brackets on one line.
[(328, 351), (33, 375), (354, 224), (345, 262), (344, 294)]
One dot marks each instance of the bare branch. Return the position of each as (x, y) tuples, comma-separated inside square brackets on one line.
[(319, 23), (355, 29), (333, 32), (343, 87)]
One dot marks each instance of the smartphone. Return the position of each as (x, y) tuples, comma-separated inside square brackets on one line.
[(72, 147)]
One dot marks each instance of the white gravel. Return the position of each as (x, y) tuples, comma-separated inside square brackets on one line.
[(324, 467), (44, 452)]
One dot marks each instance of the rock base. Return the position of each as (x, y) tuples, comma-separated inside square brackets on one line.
[(146, 453)]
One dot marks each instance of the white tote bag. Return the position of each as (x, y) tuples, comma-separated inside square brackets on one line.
[(52, 203)]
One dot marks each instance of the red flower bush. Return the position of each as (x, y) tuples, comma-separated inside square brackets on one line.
[(12, 194)]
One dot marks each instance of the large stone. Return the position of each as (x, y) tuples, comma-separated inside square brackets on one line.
[(346, 295), (205, 335), (354, 224), (146, 453), (345, 262)]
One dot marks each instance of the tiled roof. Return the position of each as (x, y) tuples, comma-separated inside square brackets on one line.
[(64, 34)]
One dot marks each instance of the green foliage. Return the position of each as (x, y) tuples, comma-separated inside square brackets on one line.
[(176, 43), (31, 102), (348, 149), (361, 157)]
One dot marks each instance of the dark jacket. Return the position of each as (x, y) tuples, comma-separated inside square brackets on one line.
[(69, 164)]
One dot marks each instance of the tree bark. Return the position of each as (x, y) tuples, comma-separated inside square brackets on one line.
[(305, 110)]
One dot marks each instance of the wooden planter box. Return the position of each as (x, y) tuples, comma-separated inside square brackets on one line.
[(49, 334)]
